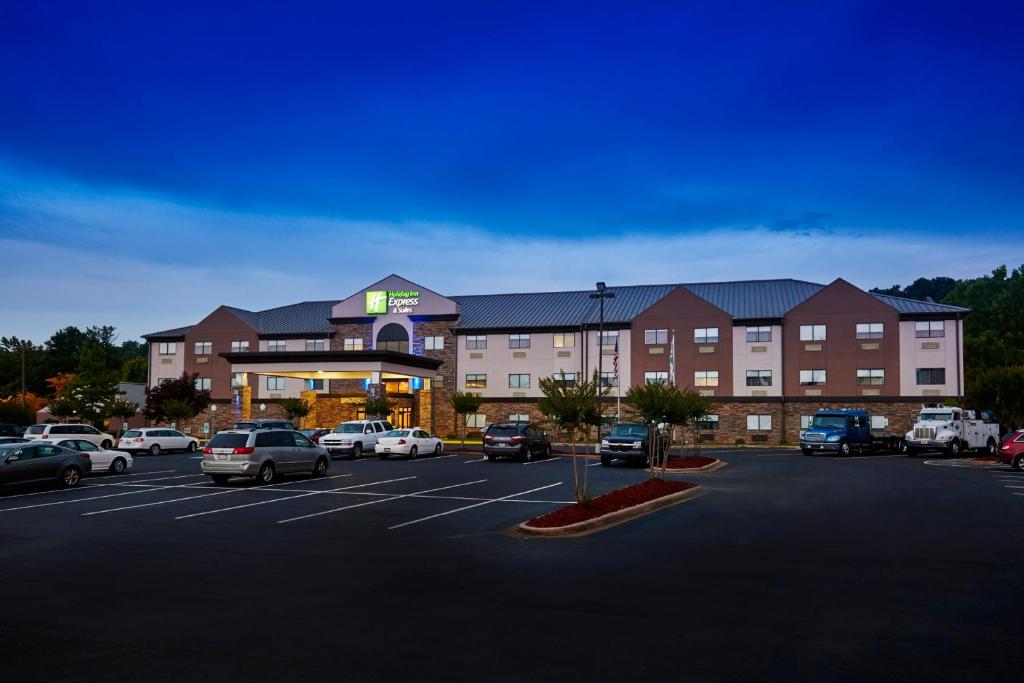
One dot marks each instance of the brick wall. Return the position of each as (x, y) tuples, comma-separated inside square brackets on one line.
[(345, 331), (443, 416)]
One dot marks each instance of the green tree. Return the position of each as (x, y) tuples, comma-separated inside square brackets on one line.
[(464, 403), (684, 407), (922, 289), (122, 408), (573, 407), (378, 407), (652, 403), (135, 370), (177, 411), (181, 389), (62, 350), (132, 349), (295, 408), (15, 351), (61, 408), (1000, 390), (994, 331)]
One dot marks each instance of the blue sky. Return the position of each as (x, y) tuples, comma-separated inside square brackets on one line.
[(171, 157)]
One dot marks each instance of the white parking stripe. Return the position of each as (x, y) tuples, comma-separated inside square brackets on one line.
[(82, 500), (594, 464), (469, 461), (554, 458), (430, 458), (474, 505), (278, 500), (379, 500), (86, 484), (205, 495), (137, 474)]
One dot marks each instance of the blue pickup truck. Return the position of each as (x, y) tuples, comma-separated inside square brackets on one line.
[(847, 430)]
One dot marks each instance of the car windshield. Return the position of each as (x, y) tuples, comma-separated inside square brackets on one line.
[(347, 428), (245, 425), (132, 433), (502, 431), (936, 417), (226, 440), (828, 421), (398, 432), (37, 429), (629, 430)]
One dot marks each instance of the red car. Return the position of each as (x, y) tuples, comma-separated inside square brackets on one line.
[(315, 434), (1011, 450)]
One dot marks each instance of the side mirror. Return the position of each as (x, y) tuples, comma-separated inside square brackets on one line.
[(12, 458)]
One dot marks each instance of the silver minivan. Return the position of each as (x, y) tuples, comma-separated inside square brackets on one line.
[(262, 453)]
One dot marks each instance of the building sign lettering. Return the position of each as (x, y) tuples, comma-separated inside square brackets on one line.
[(380, 302)]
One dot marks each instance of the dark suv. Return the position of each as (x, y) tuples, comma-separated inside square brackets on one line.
[(520, 439), (7, 429), (630, 441), (264, 424)]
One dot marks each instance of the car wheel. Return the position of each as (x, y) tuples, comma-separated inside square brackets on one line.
[(357, 451), (903, 447), (991, 447), (806, 451), (320, 468), (413, 453), (527, 454), (220, 479), (437, 450), (192, 448), (107, 444), (119, 465), (844, 448), (266, 473), (910, 451), (954, 448), (492, 457), (154, 449), (547, 452), (606, 461), (70, 477), (1018, 463)]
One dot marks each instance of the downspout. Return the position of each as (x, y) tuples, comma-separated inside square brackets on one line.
[(959, 381)]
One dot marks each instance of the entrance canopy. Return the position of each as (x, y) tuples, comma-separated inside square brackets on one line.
[(375, 365)]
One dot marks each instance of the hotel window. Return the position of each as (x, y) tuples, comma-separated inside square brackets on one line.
[(239, 346), (805, 421), (931, 375), (655, 336), (275, 383), (353, 344), (476, 420), (168, 348), (871, 376), (438, 380), (812, 333), (759, 378), (477, 381), (518, 341), (705, 378), (518, 381), (759, 334), (656, 378), (237, 380), (316, 344), (276, 345), (930, 328), (609, 338), (316, 385), (566, 340), (879, 422), (608, 380), (566, 378), (759, 423), (477, 341), (203, 348), (705, 335), (433, 343), (518, 417), (708, 423), (202, 384), (870, 330), (812, 378)]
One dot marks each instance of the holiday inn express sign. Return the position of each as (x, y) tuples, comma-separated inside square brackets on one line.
[(380, 302)]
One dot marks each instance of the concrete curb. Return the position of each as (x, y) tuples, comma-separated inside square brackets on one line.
[(710, 467), (611, 519)]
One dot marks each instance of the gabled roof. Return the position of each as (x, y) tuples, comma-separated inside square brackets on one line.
[(910, 306), (555, 309), (311, 317), (175, 333), (755, 299), (250, 318)]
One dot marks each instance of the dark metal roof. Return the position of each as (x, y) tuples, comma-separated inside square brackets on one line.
[(753, 299), (309, 317), (176, 333), (555, 309), (911, 306)]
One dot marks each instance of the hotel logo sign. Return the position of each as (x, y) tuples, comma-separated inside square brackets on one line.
[(379, 302)]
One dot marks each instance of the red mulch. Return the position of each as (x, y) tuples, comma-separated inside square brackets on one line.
[(689, 462), (610, 502)]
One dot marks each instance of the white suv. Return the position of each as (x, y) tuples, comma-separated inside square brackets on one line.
[(52, 432), (355, 437), (157, 439)]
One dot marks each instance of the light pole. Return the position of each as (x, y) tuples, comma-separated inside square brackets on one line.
[(213, 419), (601, 294), (263, 406)]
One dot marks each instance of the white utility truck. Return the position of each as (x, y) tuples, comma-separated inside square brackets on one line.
[(953, 430)]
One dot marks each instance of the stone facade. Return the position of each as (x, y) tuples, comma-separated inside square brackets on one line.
[(441, 417)]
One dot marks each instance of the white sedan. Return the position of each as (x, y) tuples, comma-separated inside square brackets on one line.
[(410, 442), (114, 462)]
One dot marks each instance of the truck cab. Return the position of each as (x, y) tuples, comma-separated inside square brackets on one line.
[(837, 431), (953, 430)]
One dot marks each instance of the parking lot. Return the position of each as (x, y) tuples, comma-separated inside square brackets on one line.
[(788, 567)]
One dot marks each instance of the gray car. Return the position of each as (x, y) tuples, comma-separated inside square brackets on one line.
[(262, 453), (35, 462)]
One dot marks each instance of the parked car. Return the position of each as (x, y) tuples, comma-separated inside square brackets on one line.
[(49, 432), (157, 439), (410, 442), (314, 434), (1011, 450), (519, 439), (12, 439), (262, 453), (115, 462), (34, 462), (8, 429), (355, 437), (631, 441), (264, 424)]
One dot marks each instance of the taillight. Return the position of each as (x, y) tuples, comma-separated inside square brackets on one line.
[(207, 450), (84, 456), (488, 438), (244, 451), (401, 442), (517, 438)]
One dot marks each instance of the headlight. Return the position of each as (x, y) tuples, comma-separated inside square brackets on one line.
[(802, 435), (638, 444), (605, 443), (834, 437)]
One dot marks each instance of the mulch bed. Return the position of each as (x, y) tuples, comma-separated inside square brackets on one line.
[(689, 462), (610, 502)]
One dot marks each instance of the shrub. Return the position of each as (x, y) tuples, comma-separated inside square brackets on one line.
[(739, 441)]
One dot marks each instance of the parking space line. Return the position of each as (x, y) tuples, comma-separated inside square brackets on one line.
[(379, 500), (86, 484), (82, 500), (594, 464), (277, 500), (469, 461), (431, 458), (469, 507), (137, 474), (551, 459), (205, 495)]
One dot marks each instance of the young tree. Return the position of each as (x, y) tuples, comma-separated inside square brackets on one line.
[(135, 370), (464, 403), (1000, 390), (181, 389), (178, 411), (296, 408), (61, 408), (683, 409), (574, 408), (652, 403), (123, 409)]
